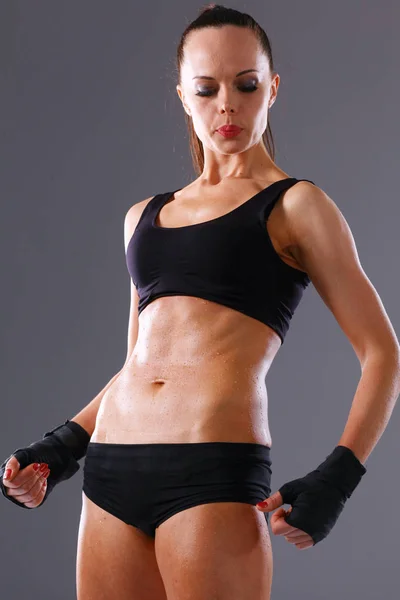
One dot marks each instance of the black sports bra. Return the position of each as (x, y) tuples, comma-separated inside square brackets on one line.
[(229, 260)]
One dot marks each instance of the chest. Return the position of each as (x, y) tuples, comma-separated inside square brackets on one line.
[(183, 210)]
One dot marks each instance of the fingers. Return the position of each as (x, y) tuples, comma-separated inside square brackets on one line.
[(302, 544), (274, 501), (299, 539), (27, 486), (279, 524), (295, 536), (13, 466), (28, 492), (20, 478), (38, 499)]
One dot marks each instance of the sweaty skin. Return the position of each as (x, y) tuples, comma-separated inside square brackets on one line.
[(197, 371)]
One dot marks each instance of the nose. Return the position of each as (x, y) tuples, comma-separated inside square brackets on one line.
[(226, 108)]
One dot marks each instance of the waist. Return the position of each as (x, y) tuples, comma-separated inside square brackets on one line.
[(184, 410), (182, 450)]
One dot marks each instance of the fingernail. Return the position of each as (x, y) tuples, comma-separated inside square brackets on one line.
[(7, 474), (35, 467), (263, 504)]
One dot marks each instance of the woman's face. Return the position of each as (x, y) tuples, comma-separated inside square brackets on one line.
[(213, 93)]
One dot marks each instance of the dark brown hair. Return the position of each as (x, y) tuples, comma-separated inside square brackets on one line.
[(216, 15)]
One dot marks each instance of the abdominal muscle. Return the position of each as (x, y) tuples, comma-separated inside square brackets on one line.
[(196, 374)]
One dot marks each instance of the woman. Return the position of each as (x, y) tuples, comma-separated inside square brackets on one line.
[(177, 444)]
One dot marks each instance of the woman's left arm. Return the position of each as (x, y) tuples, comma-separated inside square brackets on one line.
[(323, 245)]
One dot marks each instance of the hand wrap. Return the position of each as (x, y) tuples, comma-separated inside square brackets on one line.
[(318, 498), (60, 448)]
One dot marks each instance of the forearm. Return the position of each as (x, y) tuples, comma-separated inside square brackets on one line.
[(373, 404), (87, 416)]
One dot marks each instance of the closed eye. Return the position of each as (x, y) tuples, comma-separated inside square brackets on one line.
[(246, 89)]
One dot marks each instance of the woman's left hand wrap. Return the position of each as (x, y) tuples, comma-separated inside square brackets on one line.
[(318, 498)]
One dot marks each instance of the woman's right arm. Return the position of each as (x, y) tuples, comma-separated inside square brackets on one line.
[(26, 484)]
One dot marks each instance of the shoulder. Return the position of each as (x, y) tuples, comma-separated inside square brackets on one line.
[(132, 217), (307, 206), (281, 222), (305, 193), (136, 209), (315, 224)]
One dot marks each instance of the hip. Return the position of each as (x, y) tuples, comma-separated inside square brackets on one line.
[(145, 484)]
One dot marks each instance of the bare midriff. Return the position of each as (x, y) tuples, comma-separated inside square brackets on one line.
[(197, 374)]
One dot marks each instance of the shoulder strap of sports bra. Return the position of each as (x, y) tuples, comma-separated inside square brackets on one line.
[(267, 200), (273, 194), (151, 209)]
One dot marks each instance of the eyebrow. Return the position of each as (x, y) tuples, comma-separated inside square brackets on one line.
[(237, 74)]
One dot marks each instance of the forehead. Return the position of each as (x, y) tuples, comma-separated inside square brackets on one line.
[(225, 51)]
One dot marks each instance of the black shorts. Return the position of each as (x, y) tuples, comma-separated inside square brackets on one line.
[(145, 484)]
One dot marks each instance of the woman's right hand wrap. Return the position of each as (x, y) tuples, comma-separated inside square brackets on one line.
[(60, 448), (318, 498)]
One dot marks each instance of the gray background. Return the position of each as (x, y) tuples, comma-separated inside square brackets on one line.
[(90, 124)]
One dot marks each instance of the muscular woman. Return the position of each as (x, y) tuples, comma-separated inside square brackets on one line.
[(177, 446)]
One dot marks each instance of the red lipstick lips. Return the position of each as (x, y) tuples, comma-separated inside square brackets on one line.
[(229, 130)]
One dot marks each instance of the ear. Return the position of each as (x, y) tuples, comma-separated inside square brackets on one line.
[(182, 98), (274, 89)]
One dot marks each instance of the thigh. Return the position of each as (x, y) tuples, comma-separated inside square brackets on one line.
[(115, 561), (217, 550)]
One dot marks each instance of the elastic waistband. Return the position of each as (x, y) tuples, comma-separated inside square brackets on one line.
[(164, 450)]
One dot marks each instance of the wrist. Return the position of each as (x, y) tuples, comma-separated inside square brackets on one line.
[(343, 469), (73, 436)]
